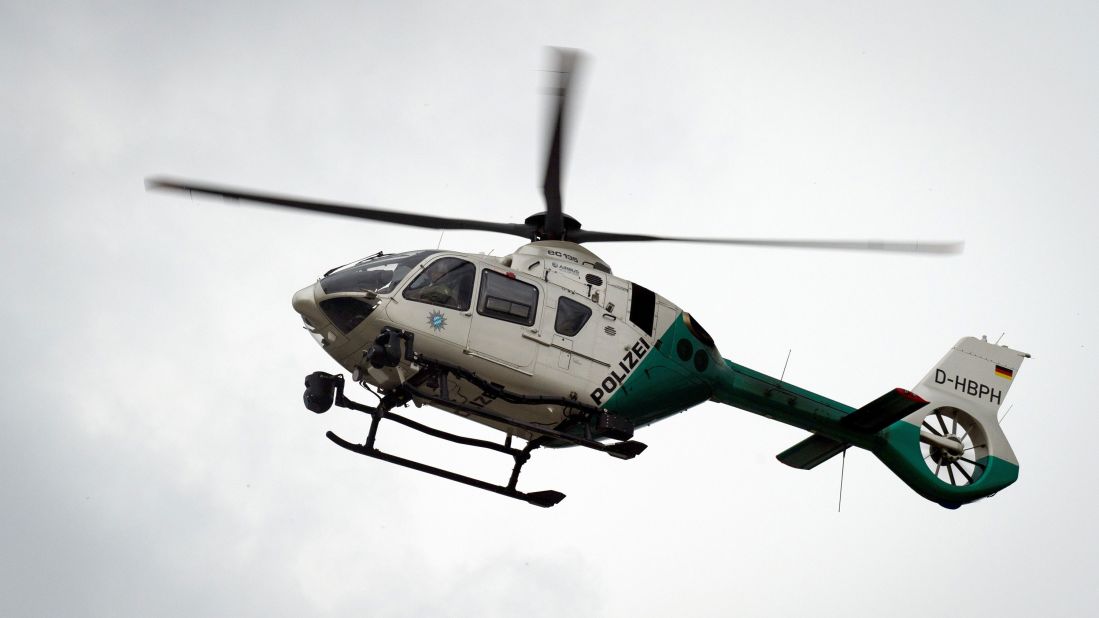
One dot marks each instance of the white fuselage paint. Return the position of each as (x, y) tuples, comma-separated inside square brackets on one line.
[(534, 359)]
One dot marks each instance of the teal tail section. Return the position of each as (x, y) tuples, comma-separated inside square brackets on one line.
[(942, 438)]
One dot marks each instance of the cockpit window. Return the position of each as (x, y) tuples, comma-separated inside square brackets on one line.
[(447, 282), (571, 317), (380, 274), (347, 313)]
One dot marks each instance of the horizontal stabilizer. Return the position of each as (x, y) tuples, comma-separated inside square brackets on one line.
[(811, 452), (871, 418), (883, 411)]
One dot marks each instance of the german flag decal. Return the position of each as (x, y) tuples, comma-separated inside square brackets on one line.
[(1004, 372)]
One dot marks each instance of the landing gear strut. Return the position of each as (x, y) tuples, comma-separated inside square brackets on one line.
[(324, 390)]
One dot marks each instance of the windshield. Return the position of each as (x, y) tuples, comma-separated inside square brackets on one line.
[(380, 274)]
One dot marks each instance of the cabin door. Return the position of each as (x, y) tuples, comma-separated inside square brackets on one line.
[(507, 317), (438, 306)]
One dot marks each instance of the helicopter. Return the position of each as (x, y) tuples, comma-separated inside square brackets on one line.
[(551, 348)]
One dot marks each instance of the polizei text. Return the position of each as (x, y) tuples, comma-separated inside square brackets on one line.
[(629, 362)]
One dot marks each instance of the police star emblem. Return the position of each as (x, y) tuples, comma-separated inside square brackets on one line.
[(436, 320)]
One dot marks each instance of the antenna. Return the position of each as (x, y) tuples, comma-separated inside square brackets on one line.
[(785, 364), (1006, 413), (843, 468), (1000, 337), (440, 243)]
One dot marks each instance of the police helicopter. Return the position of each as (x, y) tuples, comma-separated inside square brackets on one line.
[(553, 349)]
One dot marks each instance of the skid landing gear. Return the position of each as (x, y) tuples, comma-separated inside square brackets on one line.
[(384, 411), (324, 390)]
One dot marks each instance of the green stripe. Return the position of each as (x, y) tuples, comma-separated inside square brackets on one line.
[(663, 384)]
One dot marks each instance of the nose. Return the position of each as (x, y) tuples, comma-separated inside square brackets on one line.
[(334, 317), (305, 303)]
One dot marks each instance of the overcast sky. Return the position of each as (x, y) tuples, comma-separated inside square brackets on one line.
[(155, 458)]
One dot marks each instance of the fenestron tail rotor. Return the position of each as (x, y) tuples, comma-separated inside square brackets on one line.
[(553, 223), (952, 446)]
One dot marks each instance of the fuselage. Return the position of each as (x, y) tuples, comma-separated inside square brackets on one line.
[(549, 319)]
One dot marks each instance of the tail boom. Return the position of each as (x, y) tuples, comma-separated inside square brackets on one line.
[(942, 438)]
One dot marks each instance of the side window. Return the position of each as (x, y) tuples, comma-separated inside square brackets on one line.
[(506, 299), (571, 317), (447, 282), (642, 308)]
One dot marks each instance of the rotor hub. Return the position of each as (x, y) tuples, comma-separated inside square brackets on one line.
[(946, 456), (953, 446), (537, 221)]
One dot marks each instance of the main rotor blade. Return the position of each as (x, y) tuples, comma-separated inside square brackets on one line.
[(346, 210), (567, 60), (941, 248)]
